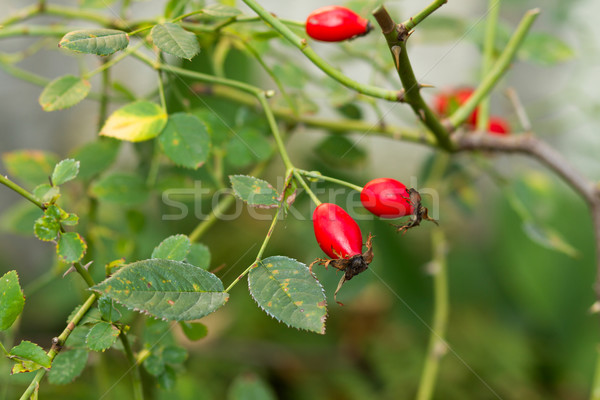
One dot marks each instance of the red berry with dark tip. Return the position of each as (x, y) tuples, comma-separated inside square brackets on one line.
[(336, 24), (336, 231)]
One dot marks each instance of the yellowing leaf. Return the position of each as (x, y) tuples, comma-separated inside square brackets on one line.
[(135, 122)]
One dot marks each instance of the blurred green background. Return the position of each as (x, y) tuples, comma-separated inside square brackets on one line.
[(519, 327)]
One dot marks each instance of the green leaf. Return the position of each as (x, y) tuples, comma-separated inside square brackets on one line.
[(70, 220), (167, 379), (135, 122), (108, 309), (154, 364), (199, 256), (55, 212), (254, 191), (247, 147), (13, 299), (185, 140), (31, 167), (64, 92), (67, 366), (173, 39), (286, 290), (102, 42), (549, 238), (20, 217), (174, 247), (174, 8), (250, 387), (174, 355), (194, 330), (120, 187), (96, 156), (46, 228), (221, 11), (46, 194), (545, 49), (65, 171), (31, 352), (339, 151), (102, 336), (167, 289), (70, 247)]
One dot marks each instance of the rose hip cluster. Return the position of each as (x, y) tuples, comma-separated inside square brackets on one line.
[(447, 102), (339, 235)]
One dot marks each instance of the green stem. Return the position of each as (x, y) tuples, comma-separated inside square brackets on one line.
[(437, 343), (24, 193), (301, 44), (154, 165), (330, 179), (34, 30), (275, 130), (270, 72), (300, 180), (103, 106), (76, 13), (136, 379), (497, 71), (396, 40), (483, 115), (267, 237), (161, 87), (340, 126), (21, 15), (87, 277), (414, 21), (595, 394), (60, 341)]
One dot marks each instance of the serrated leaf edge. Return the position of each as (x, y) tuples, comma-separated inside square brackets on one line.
[(262, 206), (324, 318)]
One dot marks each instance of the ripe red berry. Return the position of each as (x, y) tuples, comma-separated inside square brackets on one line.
[(498, 126), (336, 24), (337, 233), (386, 198)]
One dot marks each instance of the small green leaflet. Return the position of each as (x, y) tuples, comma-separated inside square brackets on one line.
[(12, 298), (254, 191), (285, 289), (193, 330), (172, 290), (70, 247), (173, 39), (65, 171), (135, 122), (174, 247), (185, 140), (64, 92), (46, 228), (199, 256), (30, 352), (102, 42), (101, 336), (67, 366), (46, 194)]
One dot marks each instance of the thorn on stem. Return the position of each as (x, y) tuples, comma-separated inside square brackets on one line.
[(396, 50)]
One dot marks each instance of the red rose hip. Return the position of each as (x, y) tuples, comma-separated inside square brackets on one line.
[(498, 126), (336, 24), (386, 198), (337, 233)]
